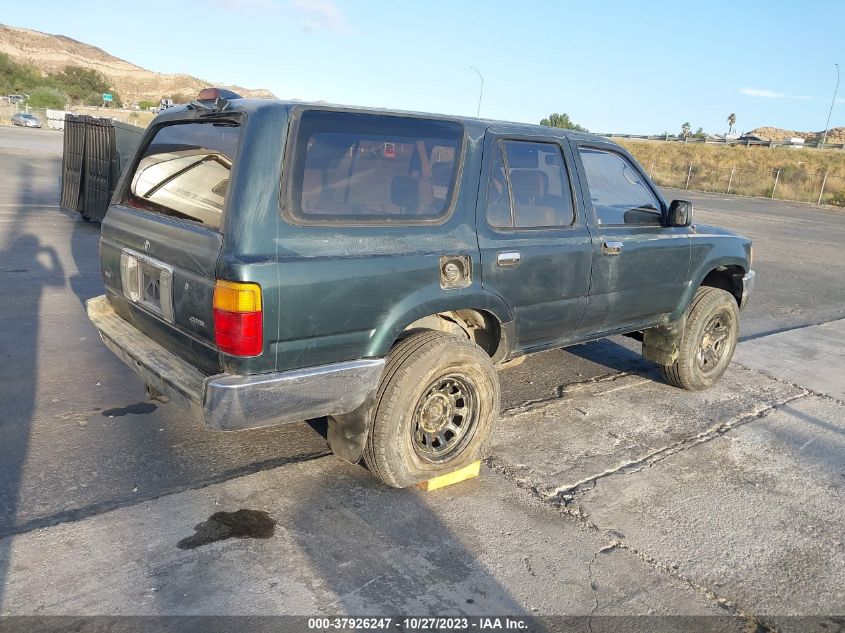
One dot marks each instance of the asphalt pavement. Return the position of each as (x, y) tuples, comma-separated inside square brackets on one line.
[(95, 479), (797, 253)]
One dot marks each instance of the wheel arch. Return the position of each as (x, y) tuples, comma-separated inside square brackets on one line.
[(481, 316), (725, 273)]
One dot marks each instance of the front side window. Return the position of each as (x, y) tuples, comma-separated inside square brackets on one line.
[(617, 191), (528, 186), (184, 171), (356, 167)]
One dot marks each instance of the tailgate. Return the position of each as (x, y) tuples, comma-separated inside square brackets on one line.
[(161, 241)]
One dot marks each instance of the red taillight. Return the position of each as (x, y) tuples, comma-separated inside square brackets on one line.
[(208, 94), (238, 318), (213, 94)]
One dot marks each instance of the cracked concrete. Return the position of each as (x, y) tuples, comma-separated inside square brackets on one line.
[(601, 426), (344, 545), (750, 552), (637, 537), (762, 524), (567, 492)]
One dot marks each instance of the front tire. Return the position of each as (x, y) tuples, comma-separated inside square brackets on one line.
[(709, 340), (435, 407)]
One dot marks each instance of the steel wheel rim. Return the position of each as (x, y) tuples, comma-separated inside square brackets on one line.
[(444, 418), (715, 340)]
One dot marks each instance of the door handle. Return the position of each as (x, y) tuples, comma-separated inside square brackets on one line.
[(508, 259), (611, 248)]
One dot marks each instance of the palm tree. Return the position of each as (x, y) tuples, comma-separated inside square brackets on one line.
[(685, 129), (731, 122)]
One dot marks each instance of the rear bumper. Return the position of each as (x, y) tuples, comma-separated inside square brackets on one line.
[(227, 402), (747, 288)]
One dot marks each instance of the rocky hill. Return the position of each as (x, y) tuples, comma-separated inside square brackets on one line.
[(834, 135), (51, 53)]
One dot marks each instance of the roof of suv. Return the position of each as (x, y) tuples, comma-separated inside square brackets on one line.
[(251, 105)]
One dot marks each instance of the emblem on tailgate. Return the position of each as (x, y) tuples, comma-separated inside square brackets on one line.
[(196, 322)]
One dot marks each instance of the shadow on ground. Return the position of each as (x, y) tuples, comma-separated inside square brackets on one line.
[(27, 267)]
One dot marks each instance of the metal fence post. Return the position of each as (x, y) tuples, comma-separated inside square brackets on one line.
[(689, 175), (651, 171), (731, 179), (821, 193), (777, 177)]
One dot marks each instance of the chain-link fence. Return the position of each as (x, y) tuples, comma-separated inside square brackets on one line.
[(777, 184)]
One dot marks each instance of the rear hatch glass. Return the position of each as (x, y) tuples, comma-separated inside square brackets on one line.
[(184, 172), (161, 241)]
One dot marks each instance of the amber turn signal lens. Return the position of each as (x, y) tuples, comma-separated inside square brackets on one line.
[(234, 296)]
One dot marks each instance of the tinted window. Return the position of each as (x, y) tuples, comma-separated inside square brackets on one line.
[(184, 171), (617, 191), (366, 167), (533, 191)]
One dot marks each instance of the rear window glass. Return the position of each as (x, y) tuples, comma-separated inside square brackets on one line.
[(184, 171), (353, 167)]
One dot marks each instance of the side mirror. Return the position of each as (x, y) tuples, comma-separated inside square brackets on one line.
[(680, 213)]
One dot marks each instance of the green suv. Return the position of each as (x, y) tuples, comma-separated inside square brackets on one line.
[(267, 262)]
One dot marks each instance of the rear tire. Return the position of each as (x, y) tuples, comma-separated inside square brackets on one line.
[(435, 407), (709, 340)]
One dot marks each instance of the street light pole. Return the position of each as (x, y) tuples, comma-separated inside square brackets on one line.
[(481, 90), (832, 101)]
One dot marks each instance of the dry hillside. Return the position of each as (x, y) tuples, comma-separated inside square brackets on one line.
[(834, 135), (50, 53)]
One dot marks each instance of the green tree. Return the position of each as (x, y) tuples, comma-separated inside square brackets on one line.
[(700, 133), (685, 129), (146, 104), (84, 85), (47, 98), (17, 78), (76, 84), (562, 121), (731, 122)]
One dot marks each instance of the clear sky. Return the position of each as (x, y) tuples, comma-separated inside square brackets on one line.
[(635, 67)]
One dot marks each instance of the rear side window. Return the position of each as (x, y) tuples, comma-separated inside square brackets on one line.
[(184, 171), (617, 191), (354, 167), (528, 187)]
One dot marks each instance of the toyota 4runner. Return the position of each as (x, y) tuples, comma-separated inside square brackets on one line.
[(267, 262)]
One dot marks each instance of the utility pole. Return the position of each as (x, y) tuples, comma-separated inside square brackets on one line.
[(481, 90), (832, 101)]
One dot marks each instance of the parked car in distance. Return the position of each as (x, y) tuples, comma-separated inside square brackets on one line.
[(25, 120), (260, 268)]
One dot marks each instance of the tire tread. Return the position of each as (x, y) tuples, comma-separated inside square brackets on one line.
[(400, 363), (678, 373)]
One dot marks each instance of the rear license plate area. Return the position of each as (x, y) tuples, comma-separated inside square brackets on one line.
[(148, 283)]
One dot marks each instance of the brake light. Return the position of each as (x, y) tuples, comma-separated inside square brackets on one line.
[(213, 94), (238, 318), (208, 94)]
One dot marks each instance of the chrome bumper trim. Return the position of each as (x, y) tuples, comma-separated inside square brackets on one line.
[(227, 402), (747, 288), (246, 402)]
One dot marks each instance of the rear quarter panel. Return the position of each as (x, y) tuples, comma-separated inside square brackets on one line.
[(333, 292)]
